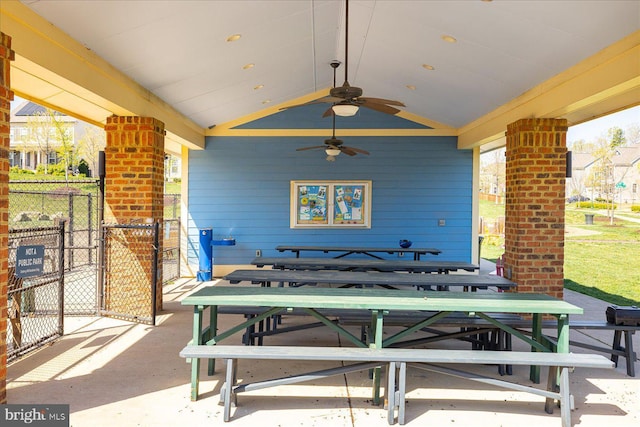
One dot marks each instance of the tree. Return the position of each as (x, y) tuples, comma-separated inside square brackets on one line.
[(493, 172), (40, 126), (65, 147), (616, 137), (632, 134), (52, 133), (92, 142)]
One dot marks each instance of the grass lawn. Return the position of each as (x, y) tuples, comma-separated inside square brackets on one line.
[(601, 260)]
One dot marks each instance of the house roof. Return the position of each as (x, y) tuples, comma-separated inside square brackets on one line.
[(624, 157), (171, 60)]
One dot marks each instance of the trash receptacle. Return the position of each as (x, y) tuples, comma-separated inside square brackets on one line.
[(205, 260), (588, 219), (480, 239)]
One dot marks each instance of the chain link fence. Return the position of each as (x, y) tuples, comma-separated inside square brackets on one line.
[(46, 203), (130, 271), (36, 292)]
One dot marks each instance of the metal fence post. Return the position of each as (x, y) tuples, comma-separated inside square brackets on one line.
[(61, 277), (156, 271)]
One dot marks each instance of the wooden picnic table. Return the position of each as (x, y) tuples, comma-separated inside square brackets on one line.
[(359, 264), (364, 279), (378, 302), (347, 250)]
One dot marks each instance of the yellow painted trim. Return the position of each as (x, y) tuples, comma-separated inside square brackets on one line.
[(423, 121), (327, 132), (59, 109), (59, 64), (475, 206), (268, 111), (227, 129), (606, 82)]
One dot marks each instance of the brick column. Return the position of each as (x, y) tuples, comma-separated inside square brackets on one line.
[(134, 181), (6, 56), (535, 202)]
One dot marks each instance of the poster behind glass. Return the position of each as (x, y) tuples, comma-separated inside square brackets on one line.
[(330, 204), (312, 204)]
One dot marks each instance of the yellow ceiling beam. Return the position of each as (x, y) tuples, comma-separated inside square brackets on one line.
[(57, 71), (606, 82)]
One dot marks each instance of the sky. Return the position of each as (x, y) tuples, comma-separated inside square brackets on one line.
[(591, 130)]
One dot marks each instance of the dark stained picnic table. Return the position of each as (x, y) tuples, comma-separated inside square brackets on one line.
[(363, 279), (360, 264), (348, 250)]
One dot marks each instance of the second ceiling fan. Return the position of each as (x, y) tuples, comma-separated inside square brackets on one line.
[(333, 146), (347, 99)]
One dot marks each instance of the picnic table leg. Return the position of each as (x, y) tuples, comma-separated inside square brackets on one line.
[(213, 331), (391, 392), (536, 334), (377, 343), (196, 340), (227, 394), (630, 355), (565, 408), (563, 334)]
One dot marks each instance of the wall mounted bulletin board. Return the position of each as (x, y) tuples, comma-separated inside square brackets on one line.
[(322, 204)]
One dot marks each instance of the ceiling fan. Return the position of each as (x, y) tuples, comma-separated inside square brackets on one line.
[(333, 146), (347, 99)]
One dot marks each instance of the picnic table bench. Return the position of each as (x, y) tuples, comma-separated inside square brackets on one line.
[(501, 340), (388, 280), (368, 251), (396, 360)]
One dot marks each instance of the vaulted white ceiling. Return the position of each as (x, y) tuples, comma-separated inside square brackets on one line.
[(525, 58)]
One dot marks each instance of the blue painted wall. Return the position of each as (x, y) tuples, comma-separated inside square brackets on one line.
[(240, 186)]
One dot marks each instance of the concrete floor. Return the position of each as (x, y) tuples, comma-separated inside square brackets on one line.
[(114, 373)]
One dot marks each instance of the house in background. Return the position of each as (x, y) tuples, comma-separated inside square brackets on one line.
[(593, 175), (27, 151)]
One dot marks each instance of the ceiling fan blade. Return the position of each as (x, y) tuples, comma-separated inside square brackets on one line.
[(380, 101), (380, 107), (328, 113), (311, 148), (357, 150), (348, 151), (324, 100)]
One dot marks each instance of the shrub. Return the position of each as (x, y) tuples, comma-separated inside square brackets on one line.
[(16, 169), (595, 205), (635, 208)]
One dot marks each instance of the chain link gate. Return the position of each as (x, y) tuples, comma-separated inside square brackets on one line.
[(36, 291), (131, 266)]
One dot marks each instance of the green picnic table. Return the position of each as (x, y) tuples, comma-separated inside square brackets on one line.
[(378, 302)]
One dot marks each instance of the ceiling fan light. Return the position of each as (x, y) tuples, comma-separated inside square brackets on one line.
[(332, 151), (345, 110), (331, 158)]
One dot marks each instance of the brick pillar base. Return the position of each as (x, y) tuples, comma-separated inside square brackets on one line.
[(6, 56), (134, 182), (535, 202)]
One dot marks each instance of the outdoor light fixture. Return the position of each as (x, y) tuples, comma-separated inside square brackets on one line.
[(345, 109), (332, 151)]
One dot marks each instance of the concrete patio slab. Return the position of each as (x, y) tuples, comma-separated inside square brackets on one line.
[(115, 373)]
